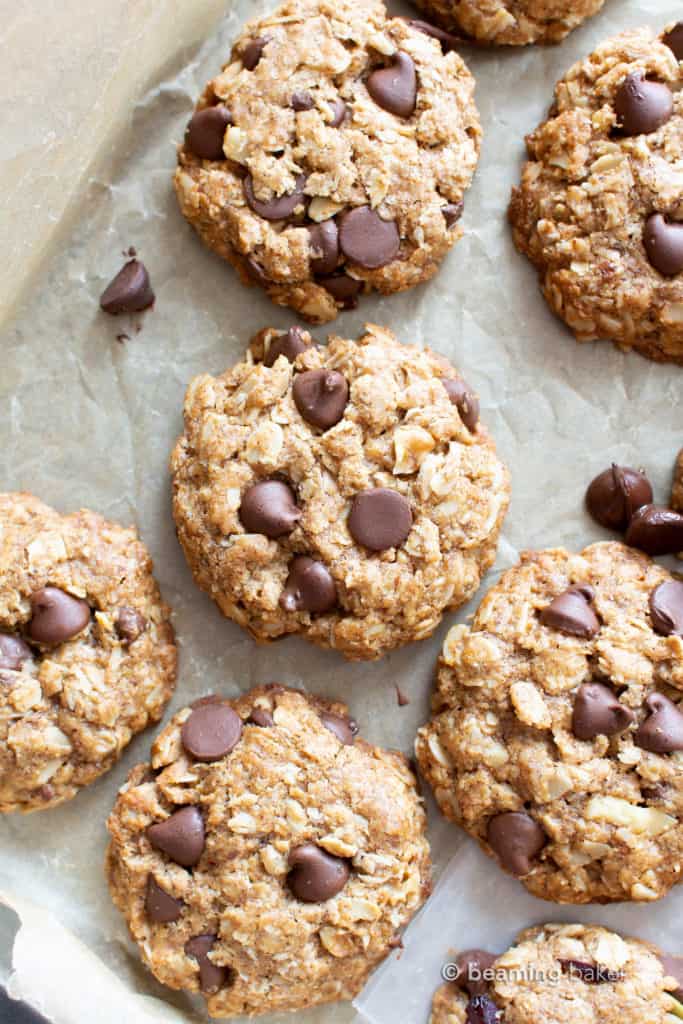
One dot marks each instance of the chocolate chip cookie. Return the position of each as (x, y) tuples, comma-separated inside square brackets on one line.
[(510, 22), (348, 493), (267, 856), (331, 155), (557, 725), (87, 654), (599, 211), (562, 974)]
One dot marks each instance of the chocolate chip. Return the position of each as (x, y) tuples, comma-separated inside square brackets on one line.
[(338, 109), (615, 494), (448, 41), (321, 396), (343, 728), (289, 345), (666, 608), (159, 906), (465, 401), (642, 106), (205, 132), (251, 53), (279, 207), (571, 613), (13, 652), (597, 712), (401, 698), (211, 732), (211, 976), (309, 587), (57, 616), (262, 718), (256, 272), (663, 241), (368, 240), (452, 212), (673, 968), (592, 974), (342, 288), (674, 40), (323, 245), (129, 292), (130, 624), (662, 731), (180, 836), (380, 519), (302, 100), (471, 965), (516, 839), (394, 88), (656, 530), (269, 507), (482, 1010), (315, 875)]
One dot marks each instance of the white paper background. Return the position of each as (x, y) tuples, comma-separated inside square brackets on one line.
[(85, 420)]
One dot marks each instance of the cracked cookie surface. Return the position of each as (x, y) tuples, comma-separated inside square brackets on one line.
[(557, 735), (308, 853), (87, 653), (350, 495), (331, 155), (562, 974), (511, 22), (599, 211)]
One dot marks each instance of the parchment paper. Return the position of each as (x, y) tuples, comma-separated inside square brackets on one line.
[(86, 420)]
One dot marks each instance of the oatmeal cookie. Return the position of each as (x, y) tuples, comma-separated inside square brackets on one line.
[(557, 729), (347, 492), (677, 488), (306, 845), (331, 155), (562, 974), (599, 211), (87, 653), (510, 22)]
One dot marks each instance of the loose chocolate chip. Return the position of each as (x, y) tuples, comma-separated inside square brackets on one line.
[(597, 712), (211, 732), (394, 88), (465, 401), (452, 212), (666, 609), (673, 965), (338, 108), (663, 241), (129, 292), (448, 41), (309, 587), (674, 40), (159, 906), (13, 652), (656, 530), (482, 1010), (516, 839), (211, 976), (615, 494), (402, 699), (368, 240), (180, 836), (380, 519), (342, 288), (471, 965), (279, 207), (269, 507), (343, 728), (571, 613), (321, 396), (662, 731), (592, 974), (262, 718), (289, 345), (57, 616), (642, 106), (302, 100), (206, 131), (251, 54), (315, 875), (130, 624), (323, 245)]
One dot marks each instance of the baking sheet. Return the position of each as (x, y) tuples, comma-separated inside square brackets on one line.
[(88, 420)]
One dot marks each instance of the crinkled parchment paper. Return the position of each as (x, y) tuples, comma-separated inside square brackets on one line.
[(96, 96)]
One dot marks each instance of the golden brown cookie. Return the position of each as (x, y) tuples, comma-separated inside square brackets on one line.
[(510, 22), (87, 653), (267, 856)]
